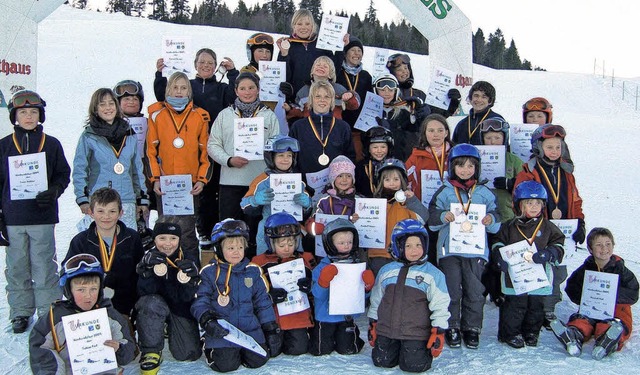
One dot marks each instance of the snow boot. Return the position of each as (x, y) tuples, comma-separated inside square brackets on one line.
[(548, 318), (608, 341), (471, 339), (531, 339), (453, 338), (20, 324), (571, 337), (516, 341), (150, 363)]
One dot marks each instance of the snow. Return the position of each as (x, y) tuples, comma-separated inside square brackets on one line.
[(80, 51)]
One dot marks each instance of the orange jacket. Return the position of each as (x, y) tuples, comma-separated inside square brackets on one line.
[(420, 160), (163, 157), (395, 212)]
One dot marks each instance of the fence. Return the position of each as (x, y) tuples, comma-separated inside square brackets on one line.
[(629, 90)]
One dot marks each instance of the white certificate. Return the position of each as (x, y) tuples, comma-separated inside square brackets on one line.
[(525, 275), (372, 224), (379, 62), (466, 232), (285, 186), (492, 159), (568, 227), (176, 52), (441, 82), (430, 182), (240, 338), (248, 138), (371, 108), (520, 140), (324, 219), (286, 276), (177, 198), (346, 290), (139, 125), (27, 175), (599, 293), (85, 334), (317, 181), (273, 74), (331, 32)]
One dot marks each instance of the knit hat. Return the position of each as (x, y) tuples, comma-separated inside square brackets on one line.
[(166, 228), (353, 42), (248, 75), (341, 164)]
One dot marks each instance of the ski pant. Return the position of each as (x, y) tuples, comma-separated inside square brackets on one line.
[(559, 275), (230, 197), (343, 337), (208, 209), (188, 239), (432, 252), (592, 327), (521, 314), (31, 269), (294, 341), (183, 332), (411, 355), (463, 277), (230, 359)]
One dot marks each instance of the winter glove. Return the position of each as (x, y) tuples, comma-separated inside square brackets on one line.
[(436, 341), (278, 295), (421, 112), (546, 255), (369, 279), (47, 198), (189, 267), (414, 100), (326, 275), (150, 259), (287, 90), (498, 262), (372, 334), (4, 236), (209, 322), (302, 199), (264, 197), (304, 284), (274, 339), (503, 183), (579, 234), (313, 227), (454, 94)]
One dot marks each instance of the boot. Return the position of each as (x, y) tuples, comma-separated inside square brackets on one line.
[(548, 317), (150, 363), (571, 337), (515, 342), (20, 324), (531, 339), (608, 341), (452, 337), (471, 339)]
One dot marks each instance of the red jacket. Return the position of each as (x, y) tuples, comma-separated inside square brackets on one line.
[(419, 160)]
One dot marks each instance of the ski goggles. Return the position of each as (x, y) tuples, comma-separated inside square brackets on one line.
[(79, 261), (286, 230), (551, 131), (234, 227), (398, 59), (283, 145), (536, 104), (26, 97), (386, 83), (260, 39), (493, 124), (127, 87)]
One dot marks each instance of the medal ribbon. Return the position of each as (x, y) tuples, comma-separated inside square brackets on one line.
[(227, 289), (121, 148), (535, 232), (179, 258), (351, 88), (107, 258), (297, 40), (54, 335), (318, 137), (368, 170), (554, 194), (471, 133), (15, 143), (175, 125), (440, 162), (344, 209), (465, 209)]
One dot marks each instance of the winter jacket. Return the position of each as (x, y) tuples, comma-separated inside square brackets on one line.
[(366, 181), (405, 134), (302, 98), (321, 297), (164, 158), (468, 129), (300, 60), (93, 167), (570, 202), (548, 236), (504, 199), (249, 307), (301, 319), (209, 94), (423, 159), (122, 275), (178, 296), (408, 300), (441, 203), (339, 142), (27, 211), (221, 145), (44, 358), (333, 204), (361, 83)]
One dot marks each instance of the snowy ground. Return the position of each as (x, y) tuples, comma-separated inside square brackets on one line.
[(80, 51)]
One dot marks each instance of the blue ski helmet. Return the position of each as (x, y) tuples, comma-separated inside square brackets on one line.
[(225, 229), (399, 235), (79, 265), (333, 227), (392, 164), (528, 190), (281, 224), (464, 150), (280, 143)]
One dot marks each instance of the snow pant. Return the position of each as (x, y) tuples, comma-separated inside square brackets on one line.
[(520, 315), (463, 277), (31, 269), (559, 276), (294, 341), (230, 197), (592, 327), (230, 359), (432, 252), (411, 355), (188, 239), (343, 337), (207, 213), (183, 332)]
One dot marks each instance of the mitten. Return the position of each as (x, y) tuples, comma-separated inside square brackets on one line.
[(189, 267), (278, 295), (274, 340), (302, 199), (436, 341), (153, 257), (579, 234), (369, 279), (47, 198), (209, 322), (287, 90), (304, 284), (372, 334), (454, 94), (422, 111), (4, 236), (546, 255), (500, 183), (313, 227), (498, 262), (326, 275), (414, 100), (264, 197)]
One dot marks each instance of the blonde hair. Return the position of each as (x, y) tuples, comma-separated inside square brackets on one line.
[(235, 240), (322, 85), (304, 13), (328, 61), (385, 173), (172, 80), (97, 96), (85, 280)]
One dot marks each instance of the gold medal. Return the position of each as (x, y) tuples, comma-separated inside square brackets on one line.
[(178, 142), (183, 278), (118, 168), (223, 300), (285, 44), (556, 214), (466, 226), (528, 256), (160, 269), (323, 159)]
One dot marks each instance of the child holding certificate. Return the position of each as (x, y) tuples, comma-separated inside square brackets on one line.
[(610, 334), (27, 224), (335, 332), (463, 264), (283, 237), (522, 314), (237, 291), (82, 281), (409, 308), (377, 145)]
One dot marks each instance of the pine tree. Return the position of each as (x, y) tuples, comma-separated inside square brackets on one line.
[(180, 11), (478, 46), (315, 6), (123, 6), (159, 10), (80, 4), (511, 57), (494, 56), (371, 15)]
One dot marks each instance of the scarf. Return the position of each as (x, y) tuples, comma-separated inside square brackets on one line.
[(114, 133), (247, 109), (351, 70), (179, 104), (464, 185)]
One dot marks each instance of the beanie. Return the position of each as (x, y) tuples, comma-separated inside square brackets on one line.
[(341, 164), (353, 42), (248, 75), (166, 228)]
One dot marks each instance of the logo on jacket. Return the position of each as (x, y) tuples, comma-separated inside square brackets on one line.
[(419, 279), (248, 282)]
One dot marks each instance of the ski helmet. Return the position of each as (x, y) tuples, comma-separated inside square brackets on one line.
[(538, 104), (377, 134), (392, 164), (280, 143), (129, 87), (528, 190), (79, 265), (333, 227), (399, 235), (225, 229), (547, 131), (25, 99), (258, 40), (281, 224), (388, 81), (496, 124), (464, 150)]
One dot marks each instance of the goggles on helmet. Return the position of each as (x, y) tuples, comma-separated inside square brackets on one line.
[(493, 124), (397, 59), (536, 104), (76, 262), (126, 87), (20, 99), (551, 131), (283, 145), (260, 39), (234, 227), (286, 230), (386, 83)]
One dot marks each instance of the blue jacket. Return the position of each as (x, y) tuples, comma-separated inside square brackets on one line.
[(250, 305), (321, 297), (441, 203)]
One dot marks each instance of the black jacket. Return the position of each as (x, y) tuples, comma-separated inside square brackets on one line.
[(627, 282)]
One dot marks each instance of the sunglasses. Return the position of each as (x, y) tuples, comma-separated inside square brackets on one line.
[(286, 230), (493, 124), (23, 98), (536, 104), (79, 261), (283, 145), (386, 83), (126, 87), (551, 131), (260, 39)]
